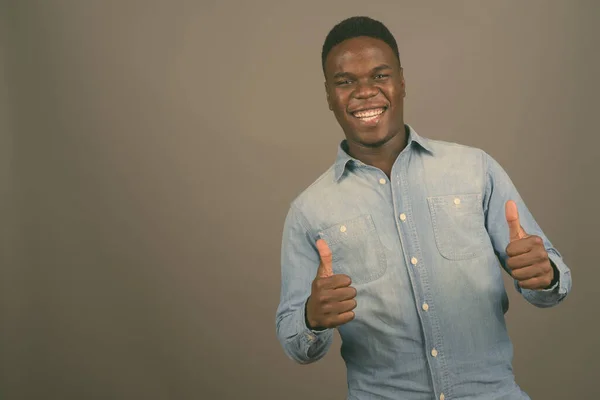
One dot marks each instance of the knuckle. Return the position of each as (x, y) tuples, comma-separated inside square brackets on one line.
[(345, 280), (540, 253), (547, 268), (537, 243), (545, 284), (317, 284), (322, 298), (517, 275)]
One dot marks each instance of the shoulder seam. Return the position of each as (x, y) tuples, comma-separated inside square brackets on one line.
[(302, 220)]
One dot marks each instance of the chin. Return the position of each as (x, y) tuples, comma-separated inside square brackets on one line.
[(373, 139), (374, 143)]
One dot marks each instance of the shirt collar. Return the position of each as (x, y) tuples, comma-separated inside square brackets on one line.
[(343, 158)]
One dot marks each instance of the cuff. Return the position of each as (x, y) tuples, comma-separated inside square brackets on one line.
[(311, 336), (555, 294), (561, 286)]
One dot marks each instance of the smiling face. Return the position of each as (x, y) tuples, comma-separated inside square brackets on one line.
[(365, 90)]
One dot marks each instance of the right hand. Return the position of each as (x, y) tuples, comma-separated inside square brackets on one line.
[(331, 299)]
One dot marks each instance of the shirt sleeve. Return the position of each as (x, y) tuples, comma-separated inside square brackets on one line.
[(299, 263), (498, 190)]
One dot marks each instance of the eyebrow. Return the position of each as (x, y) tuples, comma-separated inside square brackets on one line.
[(380, 67), (376, 69)]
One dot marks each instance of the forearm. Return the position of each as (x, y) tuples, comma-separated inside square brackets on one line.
[(299, 263), (300, 343), (498, 189)]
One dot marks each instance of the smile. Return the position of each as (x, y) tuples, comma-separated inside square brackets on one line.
[(372, 115)]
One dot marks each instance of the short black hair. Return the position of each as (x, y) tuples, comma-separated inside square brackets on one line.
[(354, 27)]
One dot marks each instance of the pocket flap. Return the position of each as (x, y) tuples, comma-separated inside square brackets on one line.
[(458, 225), (356, 249)]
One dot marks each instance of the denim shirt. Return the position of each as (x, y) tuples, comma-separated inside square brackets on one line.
[(425, 251)]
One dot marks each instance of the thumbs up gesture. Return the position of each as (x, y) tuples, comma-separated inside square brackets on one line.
[(527, 257), (331, 299)]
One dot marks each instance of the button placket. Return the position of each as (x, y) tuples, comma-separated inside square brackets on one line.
[(419, 275)]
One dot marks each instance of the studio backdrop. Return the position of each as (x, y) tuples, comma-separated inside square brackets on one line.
[(150, 150)]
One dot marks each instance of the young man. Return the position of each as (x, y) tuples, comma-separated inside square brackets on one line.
[(400, 244)]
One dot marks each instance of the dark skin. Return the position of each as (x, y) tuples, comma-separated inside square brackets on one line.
[(363, 75), (360, 74), (527, 257), (332, 298)]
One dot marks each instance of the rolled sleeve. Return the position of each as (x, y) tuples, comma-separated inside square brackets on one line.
[(299, 263), (554, 295)]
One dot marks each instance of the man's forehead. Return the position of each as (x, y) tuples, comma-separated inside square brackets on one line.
[(361, 52)]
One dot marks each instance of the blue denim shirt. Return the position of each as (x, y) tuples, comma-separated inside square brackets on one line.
[(425, 251)]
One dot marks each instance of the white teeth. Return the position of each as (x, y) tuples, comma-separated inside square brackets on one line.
[(367, 119), (369, 113)]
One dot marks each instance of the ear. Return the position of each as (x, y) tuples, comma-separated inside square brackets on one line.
[(328, 98), (402, 82)]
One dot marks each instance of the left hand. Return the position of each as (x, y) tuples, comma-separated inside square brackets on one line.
[(527, 257)]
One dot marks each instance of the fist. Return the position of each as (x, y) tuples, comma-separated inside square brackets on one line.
[(527, 257), (331, 298)]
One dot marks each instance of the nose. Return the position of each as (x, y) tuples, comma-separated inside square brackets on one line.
[(365, 90)]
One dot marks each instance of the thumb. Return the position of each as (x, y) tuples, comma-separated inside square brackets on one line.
[(325, 268), (515, 230)]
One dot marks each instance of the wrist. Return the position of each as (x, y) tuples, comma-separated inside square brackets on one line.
[(312, 325), (555, 276)]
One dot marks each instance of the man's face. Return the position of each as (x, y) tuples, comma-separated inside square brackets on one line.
[(365, 90)]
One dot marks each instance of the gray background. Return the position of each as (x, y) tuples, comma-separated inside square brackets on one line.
[(149, 152)]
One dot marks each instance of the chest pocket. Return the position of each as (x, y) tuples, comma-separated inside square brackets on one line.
[(356, 249), (458, 225)]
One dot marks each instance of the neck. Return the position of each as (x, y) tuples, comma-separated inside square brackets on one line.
[(383, 156)]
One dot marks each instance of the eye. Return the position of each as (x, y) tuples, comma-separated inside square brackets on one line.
[(344, 82), (381, 76)]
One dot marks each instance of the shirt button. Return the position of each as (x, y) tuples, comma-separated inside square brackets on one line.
[(425, 306), (403, 217), (434, 352), (457, 201), (442, 397), (343, 228), (382, 181), (413, 261)]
